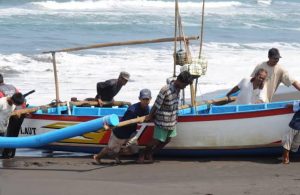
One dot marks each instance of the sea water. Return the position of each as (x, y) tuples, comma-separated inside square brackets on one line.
[(237, 36)]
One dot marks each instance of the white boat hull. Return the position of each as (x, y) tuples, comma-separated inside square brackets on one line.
[(196, 133)]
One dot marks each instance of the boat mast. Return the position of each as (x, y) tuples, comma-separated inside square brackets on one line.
[(202, 28), (175, 36), (201, 40)]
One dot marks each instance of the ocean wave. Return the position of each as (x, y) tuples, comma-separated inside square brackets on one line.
[(125, 4), (112, 6)]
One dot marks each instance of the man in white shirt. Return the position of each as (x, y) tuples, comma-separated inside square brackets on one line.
[(276, 74), (251, 90), (7, 106)]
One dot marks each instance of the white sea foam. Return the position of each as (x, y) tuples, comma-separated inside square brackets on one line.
[(264, 2), (79, 73), (114, 7), (126, 4)]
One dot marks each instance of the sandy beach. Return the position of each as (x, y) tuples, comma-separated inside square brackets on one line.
[(210, 175)]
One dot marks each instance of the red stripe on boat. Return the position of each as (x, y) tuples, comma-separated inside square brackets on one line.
[(238, 115)]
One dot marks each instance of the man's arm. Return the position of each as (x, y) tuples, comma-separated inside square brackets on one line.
[(100, 87), (151, 114), (296, 84), (232, 91)]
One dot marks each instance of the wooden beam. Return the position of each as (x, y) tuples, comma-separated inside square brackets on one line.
[(135, 42), (55, 78)]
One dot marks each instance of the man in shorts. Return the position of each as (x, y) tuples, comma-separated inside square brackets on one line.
[(164, 113), (120, 135)]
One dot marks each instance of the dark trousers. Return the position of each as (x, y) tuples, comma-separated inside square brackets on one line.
[(13, 130)]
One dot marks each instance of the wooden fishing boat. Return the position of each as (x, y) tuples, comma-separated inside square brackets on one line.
[(228, 129)]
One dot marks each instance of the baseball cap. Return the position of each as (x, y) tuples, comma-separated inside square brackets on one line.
[(145, 94), (274, 53), (124, 75)]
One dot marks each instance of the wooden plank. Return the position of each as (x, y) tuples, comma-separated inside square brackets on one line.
[(135, 42)]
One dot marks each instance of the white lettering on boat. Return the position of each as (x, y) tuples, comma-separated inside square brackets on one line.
[(28, 131)]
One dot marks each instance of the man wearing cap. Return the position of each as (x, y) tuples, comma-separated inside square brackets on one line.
[(107, 90), (120, 135), (276, 74), (7, 106)]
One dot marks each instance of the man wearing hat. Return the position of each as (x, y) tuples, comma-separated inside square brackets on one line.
[(276, 74), (120, 135), (107, 90)]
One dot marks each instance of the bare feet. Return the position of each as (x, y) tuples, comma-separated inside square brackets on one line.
[(149, 158), (285, 161), (285, 157), (97, 159), (118, 161), (141, 159)]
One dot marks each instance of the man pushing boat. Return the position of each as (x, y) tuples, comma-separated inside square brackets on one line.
[(120, 135), (164, 113)]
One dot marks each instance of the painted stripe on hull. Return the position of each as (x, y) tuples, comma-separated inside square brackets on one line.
[(239, 115), (188, 118)]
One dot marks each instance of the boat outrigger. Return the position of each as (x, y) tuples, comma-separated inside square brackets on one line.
[(203, 128)]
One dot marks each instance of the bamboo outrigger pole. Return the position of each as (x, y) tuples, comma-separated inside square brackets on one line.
[(135, 42), (57, 99)]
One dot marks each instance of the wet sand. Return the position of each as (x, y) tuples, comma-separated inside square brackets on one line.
[(209, 175)]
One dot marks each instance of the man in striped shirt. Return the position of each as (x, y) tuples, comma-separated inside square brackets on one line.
[(164, 113)]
